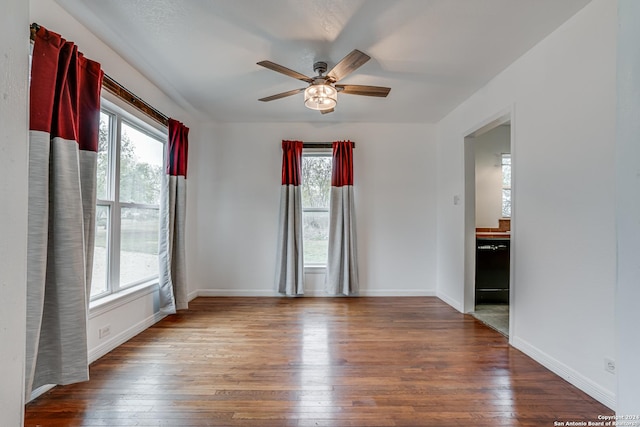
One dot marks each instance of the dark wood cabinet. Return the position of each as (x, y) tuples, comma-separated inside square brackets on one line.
[(492, 270)]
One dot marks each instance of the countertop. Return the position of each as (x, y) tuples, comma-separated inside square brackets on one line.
[(493, 235)]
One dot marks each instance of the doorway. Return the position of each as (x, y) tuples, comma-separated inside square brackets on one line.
[(488, 238)]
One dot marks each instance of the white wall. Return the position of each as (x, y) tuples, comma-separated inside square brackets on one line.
[(238, 171), (628, 208), (488, 149), (14, 51), (138, 311), (562, 94)]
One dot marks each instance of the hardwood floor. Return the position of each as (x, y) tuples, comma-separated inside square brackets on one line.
[(316, 362)]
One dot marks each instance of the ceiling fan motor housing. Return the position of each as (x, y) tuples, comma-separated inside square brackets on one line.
[(320, 67)]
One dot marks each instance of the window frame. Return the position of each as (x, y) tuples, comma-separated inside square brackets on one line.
[(120, 113), (315, 152)]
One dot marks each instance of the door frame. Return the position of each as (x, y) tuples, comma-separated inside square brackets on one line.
[(503, 117)]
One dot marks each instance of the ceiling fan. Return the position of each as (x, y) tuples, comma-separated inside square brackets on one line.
[(322, 92)]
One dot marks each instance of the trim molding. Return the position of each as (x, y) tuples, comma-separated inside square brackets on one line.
[(104, 348), (110, 303), (40, 391), (594, 390), (583, 383), (192, 295), (307, 293), (453, 303), (397, 293), (236, 293)]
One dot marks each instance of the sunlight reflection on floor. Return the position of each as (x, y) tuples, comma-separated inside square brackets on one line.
[(316, 376)]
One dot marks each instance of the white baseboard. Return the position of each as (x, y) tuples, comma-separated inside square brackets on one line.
[(192, 295), (594, 390), (104, 348), (236, 293), (602, 395), (307, 293), (40, 391), (452, 302), (397, 293)]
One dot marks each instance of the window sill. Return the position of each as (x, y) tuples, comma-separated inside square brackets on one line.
[(315, 269), (108, 303)]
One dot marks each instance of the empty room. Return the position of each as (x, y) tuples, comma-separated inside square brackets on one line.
[(320, 213)]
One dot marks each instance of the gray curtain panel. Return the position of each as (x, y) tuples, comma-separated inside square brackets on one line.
[(173, 283), (63, 142), (342, 263), (173, 206), (290, 263)]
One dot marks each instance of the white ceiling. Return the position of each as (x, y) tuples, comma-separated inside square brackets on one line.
[(432, 53)]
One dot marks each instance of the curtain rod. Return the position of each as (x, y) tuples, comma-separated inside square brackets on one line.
[(115, 88), (310, 144)]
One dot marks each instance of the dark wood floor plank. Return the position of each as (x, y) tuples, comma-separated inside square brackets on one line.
[(315, 362)]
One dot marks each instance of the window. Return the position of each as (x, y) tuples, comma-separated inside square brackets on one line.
[(129, 177), (506, 185), (316, 194)]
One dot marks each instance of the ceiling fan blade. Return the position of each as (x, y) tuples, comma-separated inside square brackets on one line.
[(347, 65), (286, 71), (327, 111), (281, 95), (364, 90)]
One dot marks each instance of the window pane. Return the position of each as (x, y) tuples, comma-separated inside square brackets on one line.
[(100, 254), (138, 245), (316, 181), (506, 176), (103, 156), (506, 185), (140, 167), (506, 202), (315, 234)]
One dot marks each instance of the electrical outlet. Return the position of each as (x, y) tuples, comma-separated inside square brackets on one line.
[(104, 331), (609, 365)]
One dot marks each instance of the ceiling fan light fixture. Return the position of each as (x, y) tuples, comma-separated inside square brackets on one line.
[(320, 97)]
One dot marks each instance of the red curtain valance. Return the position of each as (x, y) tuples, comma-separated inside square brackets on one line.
[(342, 173), (292, 162), (65, 91), (177, 152)]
